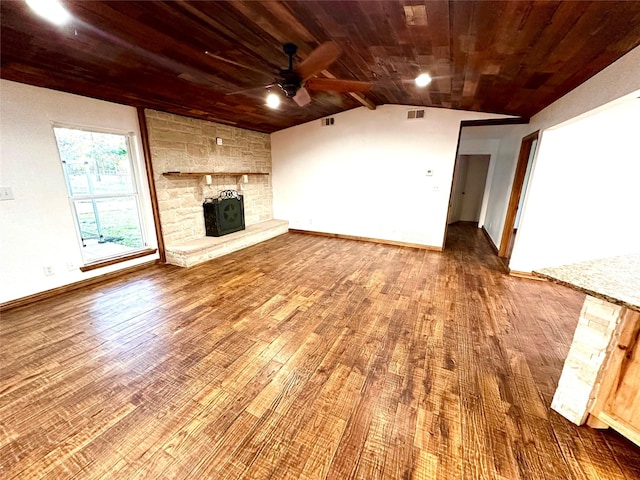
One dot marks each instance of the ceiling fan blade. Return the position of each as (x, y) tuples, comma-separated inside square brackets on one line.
[(302, 97), (337, 85), (318, 60)]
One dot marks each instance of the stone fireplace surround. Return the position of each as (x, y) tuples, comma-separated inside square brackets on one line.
[(182, 144)]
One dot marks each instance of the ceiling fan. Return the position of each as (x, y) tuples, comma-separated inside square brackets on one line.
[(295, 82)]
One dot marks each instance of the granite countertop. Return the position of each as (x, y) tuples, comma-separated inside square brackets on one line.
[(614, 279)]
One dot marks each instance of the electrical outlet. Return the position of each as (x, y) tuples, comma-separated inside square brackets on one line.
[(48, 270), (6, 193)]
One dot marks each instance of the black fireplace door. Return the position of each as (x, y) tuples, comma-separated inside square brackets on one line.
[(223, 215)]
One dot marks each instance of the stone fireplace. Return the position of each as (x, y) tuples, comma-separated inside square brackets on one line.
[(194, 160), (182, 144)]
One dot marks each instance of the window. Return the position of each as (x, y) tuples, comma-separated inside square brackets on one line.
[(102, 189)]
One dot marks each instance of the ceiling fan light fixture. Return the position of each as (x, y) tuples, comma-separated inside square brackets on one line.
[(51, 10), (273, 100), (423, 80)]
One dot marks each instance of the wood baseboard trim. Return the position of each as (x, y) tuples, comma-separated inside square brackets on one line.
[(113, 261), (368, 239), (491, 244), (22, 301), (529, 275)]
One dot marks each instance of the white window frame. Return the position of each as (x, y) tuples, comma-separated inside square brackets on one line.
[(132, 152)]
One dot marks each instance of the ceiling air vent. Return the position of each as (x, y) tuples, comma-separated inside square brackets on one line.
[(326, 122), (413, 114)]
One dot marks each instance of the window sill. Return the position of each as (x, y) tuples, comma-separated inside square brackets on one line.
[(113, 261)]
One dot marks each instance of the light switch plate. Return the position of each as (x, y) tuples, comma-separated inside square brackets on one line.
[(6, 193)]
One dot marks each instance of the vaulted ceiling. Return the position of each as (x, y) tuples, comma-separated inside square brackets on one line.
[(511, 57)]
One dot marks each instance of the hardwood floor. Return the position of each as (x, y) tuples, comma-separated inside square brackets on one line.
[(302, 357)]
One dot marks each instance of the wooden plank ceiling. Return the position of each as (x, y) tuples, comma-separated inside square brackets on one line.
[(512, 57)]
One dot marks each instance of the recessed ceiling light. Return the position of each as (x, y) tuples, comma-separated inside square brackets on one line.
[(51, 10), (273, 100), (423, 80)]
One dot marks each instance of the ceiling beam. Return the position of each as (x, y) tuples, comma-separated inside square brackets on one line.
[(363, 100)]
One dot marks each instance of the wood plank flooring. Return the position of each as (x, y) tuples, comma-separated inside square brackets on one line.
[(302, 357)]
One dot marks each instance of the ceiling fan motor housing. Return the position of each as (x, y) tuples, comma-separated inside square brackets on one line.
[(289, 83)]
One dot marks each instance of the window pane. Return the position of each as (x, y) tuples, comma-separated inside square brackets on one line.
[(119, 221), (95, 163), (108, 226), (86, 220)]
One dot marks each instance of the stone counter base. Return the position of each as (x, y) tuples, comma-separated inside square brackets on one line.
[(197, 251), (592, 341)]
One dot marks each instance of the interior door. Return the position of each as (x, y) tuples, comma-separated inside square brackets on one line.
[(473, 190), (459, 180)]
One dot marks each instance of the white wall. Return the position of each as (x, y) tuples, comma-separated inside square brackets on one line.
[(618, 155), (37, 226), (584, 203), (365, 176), (503, 144)]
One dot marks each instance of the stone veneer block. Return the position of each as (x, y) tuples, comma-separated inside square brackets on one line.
[(193, 252), (592, 341)]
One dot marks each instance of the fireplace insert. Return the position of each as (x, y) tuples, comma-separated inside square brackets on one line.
[(224, 214)]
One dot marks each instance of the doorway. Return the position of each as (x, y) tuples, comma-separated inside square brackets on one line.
[(518, 192), (469, 180)]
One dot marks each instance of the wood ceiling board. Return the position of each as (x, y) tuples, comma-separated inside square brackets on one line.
[(503, 57)]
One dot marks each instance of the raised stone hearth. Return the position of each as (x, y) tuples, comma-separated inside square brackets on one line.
[(193, 252)]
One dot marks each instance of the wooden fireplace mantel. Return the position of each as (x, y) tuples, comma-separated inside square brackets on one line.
[(213, 174)]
